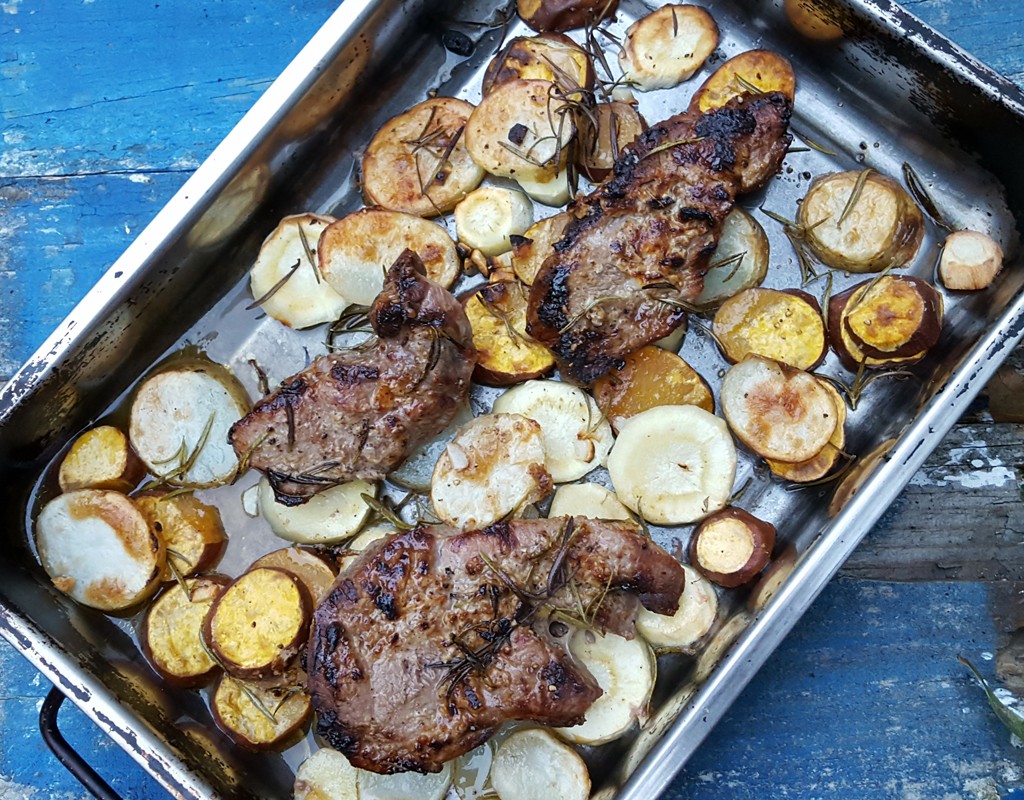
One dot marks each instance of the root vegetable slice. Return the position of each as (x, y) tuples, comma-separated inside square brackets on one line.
[(98, 549), (493, 467), (326, 775), (191, 530), (731, 547), (101, 458), (650, 377), (306, 564), (522, 129), (682, 631), (506, 353), (179, 424), (284, 280), (551, 190), (418, 163), (667, 46), (740, 261), (171, 633), (564, 15), (782, 325), (772, 579), (362, 541), (625, 670), (358, 249), (673, 464), (532, 763), (258, 626), (330, 516), (536, 244), (404, 785), (488, 217), (260, 718), (894, 316), (970, 261), (548, 57), (860, 221), (605, 130), (753, 71), (576, 436), (415, 473), (587, 500), (778, 411), (822, 462)]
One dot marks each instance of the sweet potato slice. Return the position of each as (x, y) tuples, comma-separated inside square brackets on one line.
[(750, 72), (530, 250), (731, 547), (548, 57), (604, 131), (101, 458), (259, 717), (306, 564), (782, 325), (192, 531)]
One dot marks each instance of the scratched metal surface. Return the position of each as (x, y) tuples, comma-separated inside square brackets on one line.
[(78, 259)]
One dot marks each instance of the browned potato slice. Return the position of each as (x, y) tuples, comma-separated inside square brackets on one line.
[(564, 15), (98, 549), (604, 131), (895, 316), (171, 633), (191, 530), (259, 624), (731, 547), (531, 249), (778, 411), (739, 262), (548, 57), (650, 377), (825, 459), (667, 46), (418, 163), (860, 221), (970, 261), (750, 72), (782, 325), (101, 458), (260, 718), (506, 354), (306, 564)]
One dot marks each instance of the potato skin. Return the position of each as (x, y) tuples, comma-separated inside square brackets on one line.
[(564, 15), (762, 536)]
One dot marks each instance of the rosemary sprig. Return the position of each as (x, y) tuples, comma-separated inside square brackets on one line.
[(807, 140), (387, 514), (176, 573), (276, 287), (586, 310), (669, 145), (923, 198), (855, 195), (262, 382), (311, 257)]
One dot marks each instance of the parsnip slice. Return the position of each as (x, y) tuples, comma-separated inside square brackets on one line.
[(682, 631), (548, 57), (587, 500), (673, 464), (667, 46), (326, 775), (576, 435), (191, 530), (532, 763), (493, 467), (487, 217), (970, 261), (98, 549), (100, 458), (605, 130), (740, 260), (327, 517), (258, 717), (364, 540), (625, 670), (301, 298)]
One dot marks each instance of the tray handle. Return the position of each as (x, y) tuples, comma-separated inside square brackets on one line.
[(65, 753)]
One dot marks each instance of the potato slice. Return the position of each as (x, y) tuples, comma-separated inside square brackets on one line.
[(537, 244), (364, 540), (673, 465), (285, 281), (894, 316), (358, 249), (576, 435), (506, 353), (326, 775), (548, 57), (171, 632), (258, 717), (100, 458), (553, 190), (682, 631), (564, 15), (667, 46), (191, 530), (778, 411), (625, 670), (258, 626), (860, 221), (531, 763), (404, 785), (786, 326), (522, 129), (740, 261), (330, 516), (587, 500), (416, 471), (180, 420), (750, 72), (970, 261), (98, 549), (493, 467), (648, 378), (604, 131), (822, 462), (488, 217), (731, 547), (304, 563), (418, 163)]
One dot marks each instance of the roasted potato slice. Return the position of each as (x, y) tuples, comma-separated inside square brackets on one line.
[(684, 630), (786, 326), (604, 131), (731, 547), (564, 15), (330, 516), (306, 564), (418, 163), (532, 763), (326, 775), (259, 717), (667, 46), (587, 500), (192, 531), (750, 72), (548, 57), (531, 249), (553, 191), (970, 261), (98, 549), (739, 262), (171, 633), (488, 217), (506, 353), (100, 458), (822, 462), (860, 221)]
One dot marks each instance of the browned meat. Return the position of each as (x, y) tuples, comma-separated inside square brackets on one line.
[(642, 240), (358, 413), (433, 638)]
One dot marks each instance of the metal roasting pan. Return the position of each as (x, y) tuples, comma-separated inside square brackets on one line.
[(888, 90)]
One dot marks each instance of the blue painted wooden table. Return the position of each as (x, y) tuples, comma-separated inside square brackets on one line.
[(107, 106)]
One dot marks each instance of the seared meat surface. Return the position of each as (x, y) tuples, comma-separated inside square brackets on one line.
[(640, 243), (434, 638), (359, 413)]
